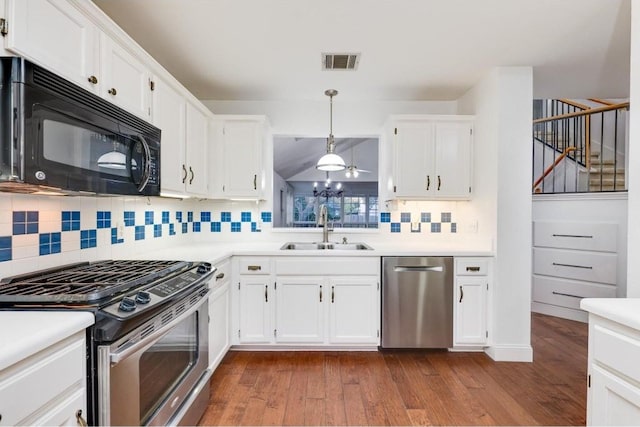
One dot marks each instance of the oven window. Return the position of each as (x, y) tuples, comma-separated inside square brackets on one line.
[(165, 363), (85, 148)]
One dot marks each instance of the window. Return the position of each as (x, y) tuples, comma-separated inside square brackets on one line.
[(346, 211)]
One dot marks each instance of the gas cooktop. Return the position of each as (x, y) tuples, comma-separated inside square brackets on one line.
[(86, 282)]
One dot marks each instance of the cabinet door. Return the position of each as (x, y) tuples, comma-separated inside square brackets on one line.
[(613, 401), (196, 143), (354, 313), (470, 311), (414, 151), (218, 324), (126, 79), (169, 109), (452, 160), (65, 412), (242, 158), (255, 307), (57, 36), (300, 309)]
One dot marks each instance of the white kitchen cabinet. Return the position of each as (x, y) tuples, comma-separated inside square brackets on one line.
[(300, 311), (323, 301), (126, 80), (185, 128), (254, 304), (240, 141), (47, 388), (354, 312), (431, 157), (470, 302), (219, 314), (57, 36), (613, 383)]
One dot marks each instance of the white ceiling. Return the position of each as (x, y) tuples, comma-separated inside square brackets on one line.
[(411, 49)]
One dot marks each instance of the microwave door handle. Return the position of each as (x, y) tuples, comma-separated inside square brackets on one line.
[(147, 165)]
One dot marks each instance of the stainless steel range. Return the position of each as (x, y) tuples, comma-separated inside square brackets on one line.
[(148, 349)]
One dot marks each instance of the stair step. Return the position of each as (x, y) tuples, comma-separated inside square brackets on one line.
[(607, 170), (602, 162), (606, 182)]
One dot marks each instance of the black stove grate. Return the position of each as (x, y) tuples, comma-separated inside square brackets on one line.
[(85, 282)]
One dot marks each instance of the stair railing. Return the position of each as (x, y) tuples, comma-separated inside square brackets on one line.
[(562, 124)]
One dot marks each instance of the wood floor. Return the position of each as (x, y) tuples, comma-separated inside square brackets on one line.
[(407, 387)]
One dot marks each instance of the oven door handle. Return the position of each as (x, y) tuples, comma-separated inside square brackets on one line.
[(147, 164), (119, 356)]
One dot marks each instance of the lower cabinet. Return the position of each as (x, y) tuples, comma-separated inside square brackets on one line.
[(289, 307), (470, 302), (613, 393), (47, 388), (219, 314)]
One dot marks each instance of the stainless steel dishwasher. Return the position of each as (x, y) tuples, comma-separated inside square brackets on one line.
[(417, 302)]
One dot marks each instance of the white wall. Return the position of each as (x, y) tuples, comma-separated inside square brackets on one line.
[(311, 118), (502, 103), (633, 250)]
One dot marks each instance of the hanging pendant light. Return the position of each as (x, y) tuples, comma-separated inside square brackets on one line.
[(114, 159), (330, 162)]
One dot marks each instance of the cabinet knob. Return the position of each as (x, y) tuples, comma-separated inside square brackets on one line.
[(112, 91), (220, 276), (93, 80)]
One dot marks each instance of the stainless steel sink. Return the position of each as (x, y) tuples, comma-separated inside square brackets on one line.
[(306, 246)]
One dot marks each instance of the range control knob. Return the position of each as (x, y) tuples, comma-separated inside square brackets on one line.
[(143, 297), (127, 304), (204, 268)]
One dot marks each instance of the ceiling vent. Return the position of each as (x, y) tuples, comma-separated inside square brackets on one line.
[(340, 61)]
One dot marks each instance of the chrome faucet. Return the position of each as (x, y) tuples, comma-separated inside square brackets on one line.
[(323, 221)]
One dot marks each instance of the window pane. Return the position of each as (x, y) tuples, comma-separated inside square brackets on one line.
[(304, 210)]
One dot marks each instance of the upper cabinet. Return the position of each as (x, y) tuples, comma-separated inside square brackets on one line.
[(184, 127), (430, 157), (240, 141), (56, 35), (126, 81)]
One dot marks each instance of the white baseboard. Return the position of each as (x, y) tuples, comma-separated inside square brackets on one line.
[(510, 353), (253, 347), (557, 311)]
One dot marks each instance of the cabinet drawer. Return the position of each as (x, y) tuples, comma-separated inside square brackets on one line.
[(254, 265), (472, 266), (617, 350), (568, 293), (33, 382), (570, 235), (590, 266), (222, 274)]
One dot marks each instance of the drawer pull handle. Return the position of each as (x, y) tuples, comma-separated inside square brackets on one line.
[(566, 295), (473, 268), (320, 293), (79, 419), (254, 268), (578, 236), (220, 276), (266, 293), (333, 295), (572, 265)]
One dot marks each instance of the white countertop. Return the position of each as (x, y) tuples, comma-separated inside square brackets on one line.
[(215, 252), (24, 333), (625, 311)]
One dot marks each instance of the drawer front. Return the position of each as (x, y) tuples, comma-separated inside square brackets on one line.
[(570, 235), (222, 274), (616, 350), (327, 266), (568, 293), (472, 266), (579, 265), (33, 382), (254, 265)]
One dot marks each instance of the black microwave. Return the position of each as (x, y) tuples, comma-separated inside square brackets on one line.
[(58, 136)]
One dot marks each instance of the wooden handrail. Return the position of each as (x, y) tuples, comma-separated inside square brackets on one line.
[(547, 171), (574, 103), (601, 101), (583, 113)]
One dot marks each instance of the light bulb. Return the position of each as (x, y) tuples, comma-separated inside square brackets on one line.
[(347, 174), (339, 186), (355, 173)]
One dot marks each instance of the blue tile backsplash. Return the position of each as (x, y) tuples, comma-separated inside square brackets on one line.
[(25, 222)]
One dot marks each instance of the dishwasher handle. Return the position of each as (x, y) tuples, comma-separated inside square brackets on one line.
[(417, 268)]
